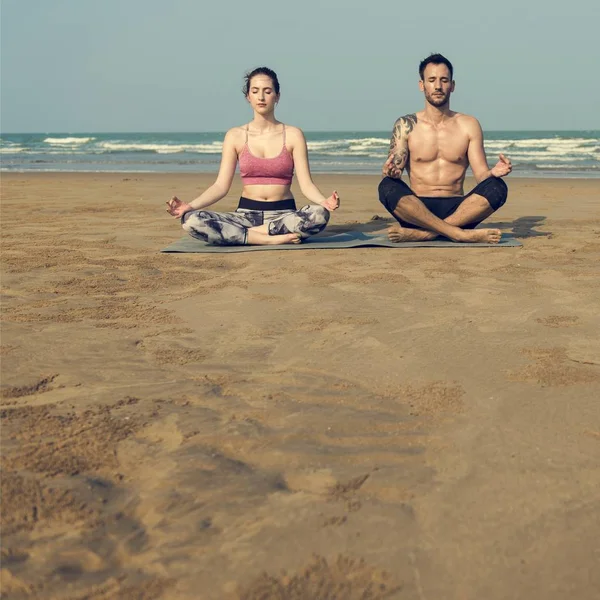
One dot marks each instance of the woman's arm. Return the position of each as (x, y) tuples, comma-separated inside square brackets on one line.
[(307, 186), (219, 189)]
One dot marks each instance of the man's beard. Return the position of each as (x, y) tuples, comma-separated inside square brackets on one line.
[(438, 101)]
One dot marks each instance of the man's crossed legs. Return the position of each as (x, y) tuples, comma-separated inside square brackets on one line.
[(422, 219)]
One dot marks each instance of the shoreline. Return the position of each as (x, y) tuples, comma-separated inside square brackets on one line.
[(593, 175), (237, 181)]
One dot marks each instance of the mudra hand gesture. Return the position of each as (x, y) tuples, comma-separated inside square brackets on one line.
[(333, 202), (391, 168), (176, 207), (502, 167)]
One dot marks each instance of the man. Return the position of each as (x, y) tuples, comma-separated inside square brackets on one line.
[(436, 146)]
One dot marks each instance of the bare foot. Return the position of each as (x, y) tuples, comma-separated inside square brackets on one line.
[(264, 228), (257, 238), (397, 233), (487, 236)]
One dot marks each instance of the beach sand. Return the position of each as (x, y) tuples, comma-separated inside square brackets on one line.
[(366, 423)]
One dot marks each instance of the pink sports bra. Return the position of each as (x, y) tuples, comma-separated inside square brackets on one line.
[(266, 171)]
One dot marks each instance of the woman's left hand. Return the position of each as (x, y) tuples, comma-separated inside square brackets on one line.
[(333, 202)]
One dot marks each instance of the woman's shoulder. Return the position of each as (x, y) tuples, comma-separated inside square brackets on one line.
[(294, 134), (293, 130), (236, 132)]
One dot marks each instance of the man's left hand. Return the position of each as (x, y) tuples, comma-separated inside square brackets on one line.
[(503, 167)]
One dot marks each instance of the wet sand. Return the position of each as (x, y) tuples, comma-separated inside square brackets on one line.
[(365, 423)]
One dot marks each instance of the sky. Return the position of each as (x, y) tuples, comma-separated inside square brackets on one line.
[(73, 66)]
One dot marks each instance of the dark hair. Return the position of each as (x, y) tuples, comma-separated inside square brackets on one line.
[(436, 59), (260, 71)]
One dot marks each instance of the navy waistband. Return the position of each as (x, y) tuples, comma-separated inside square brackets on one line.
[(248, 204), (440, 198)]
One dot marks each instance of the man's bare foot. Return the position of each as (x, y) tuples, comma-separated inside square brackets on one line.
[(487, 236), (256, 238), (397, 233)]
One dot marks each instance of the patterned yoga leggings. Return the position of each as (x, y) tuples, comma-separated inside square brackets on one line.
[(230, 229)]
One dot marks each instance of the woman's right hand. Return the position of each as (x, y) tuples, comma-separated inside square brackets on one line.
[(177, 208), (333, 202)]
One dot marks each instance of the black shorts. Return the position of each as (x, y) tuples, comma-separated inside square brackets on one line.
[(391, 191)]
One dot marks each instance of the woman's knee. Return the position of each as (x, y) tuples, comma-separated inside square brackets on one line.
[(195, 219), (203, 226), (321, 215), (315, 219)]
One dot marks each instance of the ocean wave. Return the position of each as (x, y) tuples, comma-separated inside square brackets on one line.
[(13, 150), (212, 148), (348, 142), (355, 154), (543, 156), (546, 143), (68, 141), (554, 167)]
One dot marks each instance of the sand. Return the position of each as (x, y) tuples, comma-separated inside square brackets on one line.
[(363, 423)]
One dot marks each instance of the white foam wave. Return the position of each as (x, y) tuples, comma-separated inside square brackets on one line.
[(324, 145), (213, 148), (348, 143), (546, 143), (552, 166), (369, 141), (356, 154), (68, 141), (12, 150)]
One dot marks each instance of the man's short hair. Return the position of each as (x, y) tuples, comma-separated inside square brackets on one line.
[(436, 59)]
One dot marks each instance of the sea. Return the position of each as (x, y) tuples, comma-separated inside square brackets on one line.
[(572, 154)]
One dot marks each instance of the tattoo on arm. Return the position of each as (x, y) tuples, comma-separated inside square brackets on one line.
[(399, 141)]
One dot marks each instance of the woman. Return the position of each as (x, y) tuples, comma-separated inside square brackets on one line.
[(268, 151)]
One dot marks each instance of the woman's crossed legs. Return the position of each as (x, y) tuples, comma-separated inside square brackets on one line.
[(255, 227)]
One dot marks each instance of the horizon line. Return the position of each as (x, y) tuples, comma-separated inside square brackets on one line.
[(305, 130)]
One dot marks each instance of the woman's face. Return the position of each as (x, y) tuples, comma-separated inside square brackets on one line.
[(261, 95)]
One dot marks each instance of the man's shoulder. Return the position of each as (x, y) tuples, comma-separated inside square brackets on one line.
[(409, 117), (466, 120)]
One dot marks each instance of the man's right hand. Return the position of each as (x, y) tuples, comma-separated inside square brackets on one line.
[(390, 169)]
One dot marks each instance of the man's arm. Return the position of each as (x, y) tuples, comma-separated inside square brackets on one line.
[(398, 154), (477, 159)]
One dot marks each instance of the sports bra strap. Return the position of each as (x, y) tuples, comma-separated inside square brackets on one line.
[(247, 127), (283, 133)]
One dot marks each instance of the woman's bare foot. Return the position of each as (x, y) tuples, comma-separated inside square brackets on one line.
[(487, 236), (397, 233), (257, 238)]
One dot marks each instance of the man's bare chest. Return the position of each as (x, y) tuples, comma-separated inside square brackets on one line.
[(427, 144)]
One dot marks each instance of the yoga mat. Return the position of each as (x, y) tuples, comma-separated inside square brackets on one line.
[(335, 241)]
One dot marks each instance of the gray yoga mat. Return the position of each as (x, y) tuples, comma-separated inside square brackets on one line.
[(348, 239)]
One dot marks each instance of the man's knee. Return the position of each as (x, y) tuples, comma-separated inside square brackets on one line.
[(391, 191), (494, 190)]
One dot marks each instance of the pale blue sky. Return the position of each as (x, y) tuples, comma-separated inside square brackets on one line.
[(177, 65)]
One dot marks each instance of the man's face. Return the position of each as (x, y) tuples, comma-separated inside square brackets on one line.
[(437, 85)]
